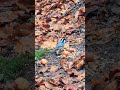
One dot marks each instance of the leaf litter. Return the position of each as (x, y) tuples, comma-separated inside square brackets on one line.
[(55, 20)]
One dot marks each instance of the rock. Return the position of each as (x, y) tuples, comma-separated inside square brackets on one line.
[(22, 83)]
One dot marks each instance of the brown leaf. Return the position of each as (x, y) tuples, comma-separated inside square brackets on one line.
[(64, 64), (66, 53), (48, 44), (39, 79), (47, 26), (48, 85), (80, 64), (53, 82), (65, 80), (69, 71), (44, 69), (53, 68), (70, 87), (42, 87), (71, 49), (57, 88), (43, 61), (81, 76)]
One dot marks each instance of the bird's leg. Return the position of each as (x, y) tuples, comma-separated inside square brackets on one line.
[(58, 52)]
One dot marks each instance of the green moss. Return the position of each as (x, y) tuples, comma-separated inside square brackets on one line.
[(40, 53), (11, 68)]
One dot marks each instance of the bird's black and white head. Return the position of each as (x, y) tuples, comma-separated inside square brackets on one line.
[(63, 40)]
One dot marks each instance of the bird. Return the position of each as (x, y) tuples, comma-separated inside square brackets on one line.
[(60, 45)]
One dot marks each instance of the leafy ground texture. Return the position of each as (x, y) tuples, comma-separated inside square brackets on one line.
[(16, 39), (54, 20), (102, 39)]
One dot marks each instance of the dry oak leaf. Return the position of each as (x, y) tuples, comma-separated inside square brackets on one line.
[(70, 87), (49, 86), (44, 69), (64, 57), (57, 88), (81, 76), (42, 87), (76, 73), (78, 62), (64, 64), (79, 40), (46, 26), (49, 44), (53, 68), (53, 82), (69, 71), (22, 83), (70, 50), (44, 61), (39, 79), (66, 53), (66, 80)]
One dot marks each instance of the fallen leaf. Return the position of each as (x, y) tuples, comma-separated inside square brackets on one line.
[(53, 82), (80, 64), (44, 69), (70, 50), (66, 53), (70, 87), (48, 85), (44, 61), (53, 69), (81, 76), (39, 79), (42, 87), (66, 80), (69, 71)]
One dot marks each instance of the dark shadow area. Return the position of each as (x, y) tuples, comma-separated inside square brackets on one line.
[(17, 44), (102, 45)]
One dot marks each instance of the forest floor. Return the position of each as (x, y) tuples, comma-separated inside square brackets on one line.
[(55, 21), (94, 36)]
